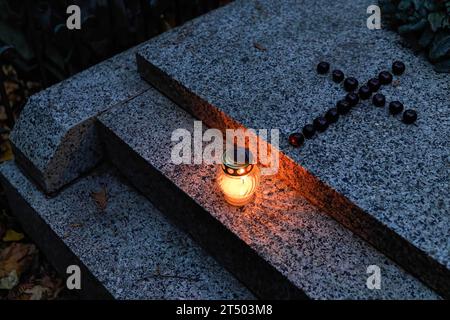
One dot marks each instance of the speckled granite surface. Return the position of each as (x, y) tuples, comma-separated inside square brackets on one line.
[(54, 138), (130, 248), (386, 181), (308, 248)]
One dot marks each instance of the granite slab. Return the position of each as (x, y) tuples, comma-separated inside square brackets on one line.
[(129, 250), (54, 139), (280, 246), (253, 64)]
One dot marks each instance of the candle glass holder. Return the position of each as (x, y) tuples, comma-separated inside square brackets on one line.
[(238, 177)]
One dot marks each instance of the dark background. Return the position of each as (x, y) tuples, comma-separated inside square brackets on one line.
[(37, 50)]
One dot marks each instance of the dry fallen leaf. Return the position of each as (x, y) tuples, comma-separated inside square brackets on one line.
[(259, 46), (19, 292), (101, 199), (14, 260), (47, 288), (55, 284), (38, 293), (2, 229), (11, 87), (7, 153), (12, 236), (3, 115), (9, 281)]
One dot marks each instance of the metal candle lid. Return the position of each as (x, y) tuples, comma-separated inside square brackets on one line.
[(237, 161)]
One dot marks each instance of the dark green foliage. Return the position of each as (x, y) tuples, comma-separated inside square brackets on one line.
[(425, 24), (34, 37)]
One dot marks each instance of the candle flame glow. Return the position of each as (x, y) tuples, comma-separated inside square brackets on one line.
[(239, 190)]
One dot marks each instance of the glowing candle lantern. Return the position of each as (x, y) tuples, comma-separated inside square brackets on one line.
[(238, 177)]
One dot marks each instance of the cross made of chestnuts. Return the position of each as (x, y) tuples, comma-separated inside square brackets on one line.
[(355, 93)]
